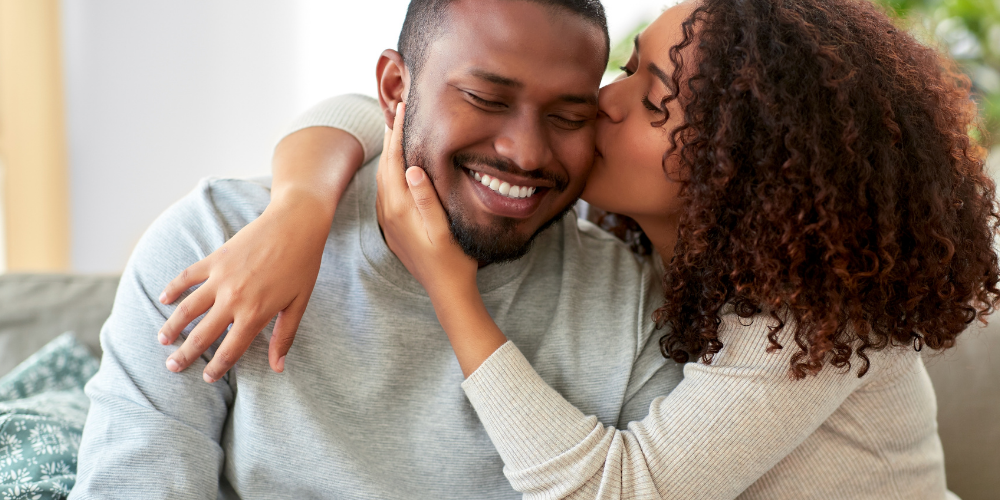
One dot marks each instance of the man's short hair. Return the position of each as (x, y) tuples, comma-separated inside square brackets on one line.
[(425, 21)]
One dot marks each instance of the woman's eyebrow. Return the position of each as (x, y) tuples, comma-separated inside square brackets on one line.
[(654, 69)]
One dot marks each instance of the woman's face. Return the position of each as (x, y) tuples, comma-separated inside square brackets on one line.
[(630, 176)]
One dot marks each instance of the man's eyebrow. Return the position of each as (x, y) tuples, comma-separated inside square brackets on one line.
[(578, 99), (497, 79)]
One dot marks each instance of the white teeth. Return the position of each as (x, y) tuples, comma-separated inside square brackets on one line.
[(504, 188)]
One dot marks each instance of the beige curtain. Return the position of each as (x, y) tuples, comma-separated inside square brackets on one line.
[(35, 186)]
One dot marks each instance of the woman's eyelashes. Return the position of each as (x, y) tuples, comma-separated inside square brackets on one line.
[(627, 71), (649, 105)]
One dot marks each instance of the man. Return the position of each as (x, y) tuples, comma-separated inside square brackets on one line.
[(372, 406)]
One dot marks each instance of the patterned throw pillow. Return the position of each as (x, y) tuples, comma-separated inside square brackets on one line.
[(42, 412)]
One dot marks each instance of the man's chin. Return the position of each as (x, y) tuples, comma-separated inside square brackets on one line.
[(498, 242), (492, 245)]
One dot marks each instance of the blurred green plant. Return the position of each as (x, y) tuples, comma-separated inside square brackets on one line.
[(621, 51), (968, 30)]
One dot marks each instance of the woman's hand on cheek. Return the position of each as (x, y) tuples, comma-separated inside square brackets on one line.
[(415, 224)]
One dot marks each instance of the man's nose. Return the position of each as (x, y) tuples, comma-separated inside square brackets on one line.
[(526, 143)]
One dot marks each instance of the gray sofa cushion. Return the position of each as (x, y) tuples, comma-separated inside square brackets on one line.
[(36, 308), (967, 383)]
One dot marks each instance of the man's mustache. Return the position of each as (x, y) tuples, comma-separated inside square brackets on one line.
[(460, 160)]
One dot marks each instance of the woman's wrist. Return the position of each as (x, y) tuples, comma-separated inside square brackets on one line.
[(454, 293), (321, 203), (473, 334)]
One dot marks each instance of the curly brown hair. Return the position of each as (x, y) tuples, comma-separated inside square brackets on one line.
[(828, 174)]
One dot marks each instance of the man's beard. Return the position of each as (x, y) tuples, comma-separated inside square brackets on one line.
[(488, 244)]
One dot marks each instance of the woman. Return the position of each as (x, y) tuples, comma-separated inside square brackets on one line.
[(805, 174)]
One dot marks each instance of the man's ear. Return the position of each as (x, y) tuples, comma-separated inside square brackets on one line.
[(393, 83)]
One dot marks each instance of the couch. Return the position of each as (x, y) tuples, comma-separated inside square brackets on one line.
[(35, 308)]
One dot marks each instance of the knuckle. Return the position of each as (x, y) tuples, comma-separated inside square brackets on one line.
[(254, 310), (236, 293), (284, 342), (223, 359), (199, 342)]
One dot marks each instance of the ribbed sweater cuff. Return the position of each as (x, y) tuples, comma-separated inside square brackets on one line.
[(356, 114), (528, 421)]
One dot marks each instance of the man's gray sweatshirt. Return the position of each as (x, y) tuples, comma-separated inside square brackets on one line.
[(370, 404)]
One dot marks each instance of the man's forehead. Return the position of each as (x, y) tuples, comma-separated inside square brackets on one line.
[(516, 43)]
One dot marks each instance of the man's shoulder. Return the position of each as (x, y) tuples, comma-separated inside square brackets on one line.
[(221, 203), (240, 199)]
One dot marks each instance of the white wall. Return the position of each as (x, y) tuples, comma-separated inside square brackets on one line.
[(162, 93)]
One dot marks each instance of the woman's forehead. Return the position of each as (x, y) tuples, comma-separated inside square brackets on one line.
[(666, 31)]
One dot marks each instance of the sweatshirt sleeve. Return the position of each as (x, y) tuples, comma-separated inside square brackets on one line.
[(151, 433), (724, 425), (355, 114)]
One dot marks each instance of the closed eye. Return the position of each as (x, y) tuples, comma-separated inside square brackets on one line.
[(485, 103), (569, 124), (649, 104)]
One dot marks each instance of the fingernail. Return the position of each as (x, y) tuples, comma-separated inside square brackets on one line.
[(163, 298), (208, 378), (173, 365), (414, 175), (281, 364), (399, 107), (162, 338)]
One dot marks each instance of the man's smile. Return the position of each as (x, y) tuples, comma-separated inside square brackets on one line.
[(506, 196)]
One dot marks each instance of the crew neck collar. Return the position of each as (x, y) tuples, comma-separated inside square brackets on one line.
[(386, 263)]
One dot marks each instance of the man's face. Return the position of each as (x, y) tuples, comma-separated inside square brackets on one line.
[(508, 93)]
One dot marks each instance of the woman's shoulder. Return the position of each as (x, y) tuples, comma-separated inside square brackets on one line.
[(767, 341)]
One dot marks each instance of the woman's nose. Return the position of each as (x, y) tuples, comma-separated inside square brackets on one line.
[(609, 101)]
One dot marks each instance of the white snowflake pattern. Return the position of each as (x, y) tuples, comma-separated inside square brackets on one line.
[(10, 450), (60, 489), (19, 476), (48, 439), (29, 491), (20, 426), (54, 469)]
